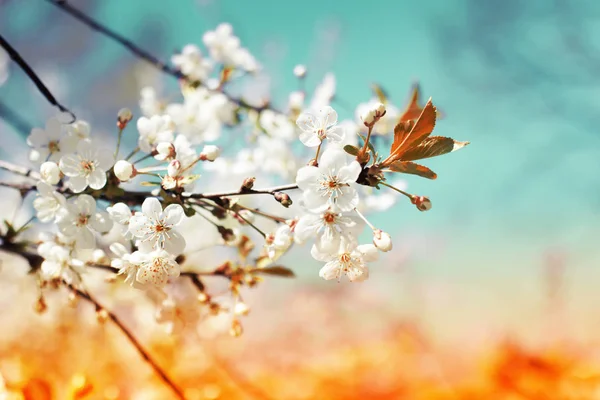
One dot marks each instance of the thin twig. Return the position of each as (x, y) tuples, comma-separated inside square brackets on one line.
[(16, 169), (240, 192), (146, 56), (14, 54)]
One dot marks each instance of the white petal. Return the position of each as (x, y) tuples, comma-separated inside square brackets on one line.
[(44, 189), (77, 184), (349, 173), (105, 159), (175, 244), (85, 239), (307, 177), (329, 116), (151, 207), (97, 179), (368, 252), (139, 225), (309, 139), (306, 227), (332, 159), (331, 270), (348, 200), (85, 204), (53, 129), (173, 214), (70, 165), (37, 138), (336, 134), (307, 122), (101, 222)]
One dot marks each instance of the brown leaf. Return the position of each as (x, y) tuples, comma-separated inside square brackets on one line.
[(431, 147), (407, 167), (413, 109), (276, 270), (409, 134)]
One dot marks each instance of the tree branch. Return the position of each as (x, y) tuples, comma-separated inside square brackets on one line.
[(144, 55), (14, 54)]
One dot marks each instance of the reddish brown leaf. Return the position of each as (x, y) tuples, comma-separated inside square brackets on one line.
[(409, 134), (413, 109), (431, 147), (407, 167)]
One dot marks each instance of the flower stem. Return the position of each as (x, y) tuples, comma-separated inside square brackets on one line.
[(410, 196), (118, 142)]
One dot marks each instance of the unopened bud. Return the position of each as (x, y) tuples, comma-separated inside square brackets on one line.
[(378, 110), (123, 117), (203, 298), (382, 240), (165, 151), (248, 183), (101, 315), (50, 172), (423, 203), (40, 305), (236, 329), (210, 153), (300, 71), (173, 168), (99, 257), (283, 198), (241, 309), (368, 118), (124, 170), (227, 234)]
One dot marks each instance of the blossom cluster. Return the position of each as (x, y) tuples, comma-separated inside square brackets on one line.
[(333, 173)]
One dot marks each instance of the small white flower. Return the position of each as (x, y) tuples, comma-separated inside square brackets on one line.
[(331, 183), (48, 202), (328, 228), (372, 111), (222, 43), (181, 149), (50, 144), (191, 63), (296, 100), (121, 214), (59, 264), (316, 128), (50, 172), (277, 125), (124, 170), (158, 128), (195, 118), (149, 103), (87, 167), (350, 259), (155, 268), (124, 264), (79, 129), (382, 240), (300, 71), (278, 243), (154, 227), (80, 220)]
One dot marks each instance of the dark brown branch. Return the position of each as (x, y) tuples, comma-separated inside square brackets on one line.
[(240, 192), (14, 54), (143, 54)]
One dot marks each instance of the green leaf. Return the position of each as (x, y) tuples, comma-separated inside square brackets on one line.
[(189, 211), (370, 144), (352, 150), (407, 167), (276, 270)]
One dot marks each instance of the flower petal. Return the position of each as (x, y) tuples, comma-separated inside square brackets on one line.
[(105, 159), (332, 160), (175, 244), (152, 207), (97, 179), (173, 214), (77, 183), (309, 139), (70, 165), (307, 177), (85, 204), (349, 173)]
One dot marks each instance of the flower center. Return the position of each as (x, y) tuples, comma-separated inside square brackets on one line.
[(53, 146), (345, 259), (87, 166), (83, 219), (321, 133), (329, 218), (160, 228)]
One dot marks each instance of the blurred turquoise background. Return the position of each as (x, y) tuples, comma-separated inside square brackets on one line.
[(519, 79)]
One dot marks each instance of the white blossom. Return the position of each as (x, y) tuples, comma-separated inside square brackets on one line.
[(124, 264), (318, 126), (331, 183), (79, 220), (124, 170), (382, 240), (195, 117), (192, 64), (59, 264), (155, 267), (155, 227), (153, 130), (278, 243), (121, 214), (349, 259), (50, 144), (50, 173), (328, 228), (87, 167), (48, 203), (79, 129)]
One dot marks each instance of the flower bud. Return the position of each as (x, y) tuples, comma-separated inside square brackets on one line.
[(165, 151), (296, 100), (248, 183), (99, 257), (423, 203), (241, 309), (283, 198), (300, 71), (236, 329), (124, 170), (203, 298), (123, 117), (382, 240), (101, 315), (50, 172), (173, 168), (368, 118), (210, 152), (227, 234)]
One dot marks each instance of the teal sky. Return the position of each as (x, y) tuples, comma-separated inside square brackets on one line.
[(517, 79)]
